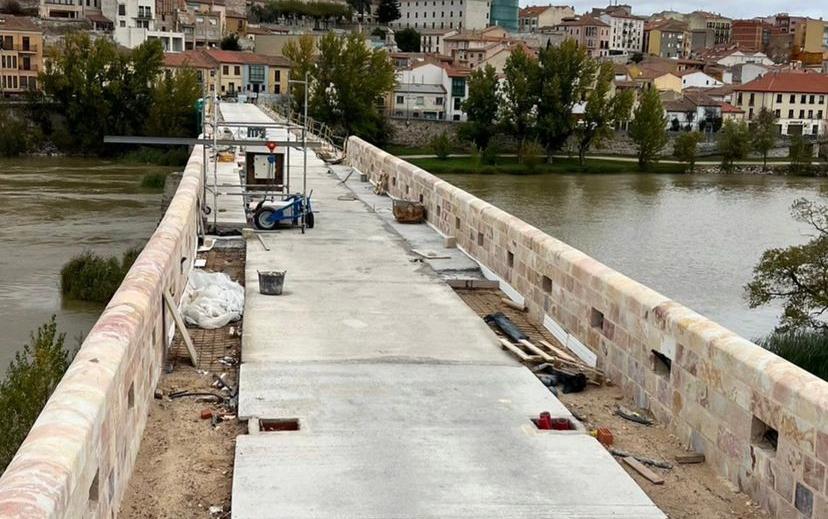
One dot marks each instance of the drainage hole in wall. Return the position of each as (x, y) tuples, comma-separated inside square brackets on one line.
[(763, 435), (662, 364)]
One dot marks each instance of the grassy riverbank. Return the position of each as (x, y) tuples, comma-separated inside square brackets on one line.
[(510, 166)]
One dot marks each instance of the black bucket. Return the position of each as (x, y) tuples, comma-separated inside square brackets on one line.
[(271, 282)]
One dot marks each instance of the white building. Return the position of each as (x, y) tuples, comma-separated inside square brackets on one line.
[(738, 57), (698, 79), (626, 32), (419, 88), (134, 22), (443, 14)]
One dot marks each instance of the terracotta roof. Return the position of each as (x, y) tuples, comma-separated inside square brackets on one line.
[(534, 10), (190, 58), (17, 23), (728, 108), (230, 56), (668, 25), (585, 20), (451, 70), (99, 18), (791, 82), (278, 61)]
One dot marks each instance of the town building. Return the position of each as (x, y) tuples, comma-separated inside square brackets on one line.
[(504, 13), (747, 72), (135, 22), (533, 18), (430, 90), (692, 111), (718, 25), (751, 34), (589, 32), (68, 10), (626, 30), (431, 40), (443, 14), (469, 49), (21, 54), (811, 36), (698, 79), (798, 99), (667, 38), (233, 73)]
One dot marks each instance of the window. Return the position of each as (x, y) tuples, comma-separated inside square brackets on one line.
[(802, 98), (420, 101), (457, 103), (278, 75), (790, 114), (802, 114), (225, 69), (821, 99), (400, 100), (752, 98), (237, 70), (122, 23), (819, 114), (458, 87), (121, 10), (810, 114), (812, 99), (793, 98), (777, 113), (438, 101)]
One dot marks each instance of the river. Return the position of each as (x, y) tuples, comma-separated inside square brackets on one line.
[(694, 239), (52, 209)]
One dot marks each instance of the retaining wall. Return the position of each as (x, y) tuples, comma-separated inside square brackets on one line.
[(78, 457), (718, 392)]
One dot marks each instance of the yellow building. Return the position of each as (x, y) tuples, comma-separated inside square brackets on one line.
[(231, 73), (21, 55), (811, 36)]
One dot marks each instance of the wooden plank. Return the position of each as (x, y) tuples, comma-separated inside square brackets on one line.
[(537, 351), (179, 321), (511, 304), (639, 467), (559, 352), (691, 457), (518, 352)]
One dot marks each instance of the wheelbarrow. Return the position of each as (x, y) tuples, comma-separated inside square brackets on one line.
[(268, 214)]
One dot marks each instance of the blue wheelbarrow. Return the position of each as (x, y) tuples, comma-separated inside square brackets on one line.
[(268, 214)]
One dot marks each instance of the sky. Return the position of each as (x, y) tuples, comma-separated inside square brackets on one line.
[(730, 8)]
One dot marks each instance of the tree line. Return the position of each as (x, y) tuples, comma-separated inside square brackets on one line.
[(92, 88), (348, 82)]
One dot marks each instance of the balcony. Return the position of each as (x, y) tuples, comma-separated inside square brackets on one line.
[(30, 68), (20, 48)]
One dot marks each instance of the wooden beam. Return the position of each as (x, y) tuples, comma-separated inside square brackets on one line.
[(639, 467), (560, 353), (179, 321)]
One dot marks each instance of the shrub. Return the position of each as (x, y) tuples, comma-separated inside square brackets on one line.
[(154, 180), (808, 349), (533, 154), (441, 146), (30, 379), (89, 277), (488, 155)]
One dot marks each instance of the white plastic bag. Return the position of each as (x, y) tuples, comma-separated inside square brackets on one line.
[(212, 299)]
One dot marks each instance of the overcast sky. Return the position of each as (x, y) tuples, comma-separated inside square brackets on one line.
[(730, 8)]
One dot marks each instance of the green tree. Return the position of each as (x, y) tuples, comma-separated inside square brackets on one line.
[(408, 40), (565, 75), (441, 146), (481, 107), (796, 276), (173, 112), (13, 133), (302, 54), (734, 142), (603, 111), (685, 148), (388, 11), (648, 128), (351, 82), (30, 380), (518, 104), (763, 133), (100, 90), (361, 6), (230, 42), (800, 154)]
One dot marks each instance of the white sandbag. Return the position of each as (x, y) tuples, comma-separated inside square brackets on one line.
[(212, 299)]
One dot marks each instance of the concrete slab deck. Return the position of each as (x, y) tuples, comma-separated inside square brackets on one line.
[(407, 406)]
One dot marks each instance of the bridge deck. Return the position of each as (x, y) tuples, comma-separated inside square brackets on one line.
[(406, 405)]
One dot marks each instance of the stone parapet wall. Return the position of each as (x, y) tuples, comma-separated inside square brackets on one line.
[(78, 457), (719, 392)]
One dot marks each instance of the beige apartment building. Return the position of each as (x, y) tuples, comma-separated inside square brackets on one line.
[(799, 100), (21, 55), (536, 17), (590, 32)]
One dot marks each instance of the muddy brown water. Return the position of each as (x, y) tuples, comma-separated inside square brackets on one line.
[(50, 210), (695, 239)]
